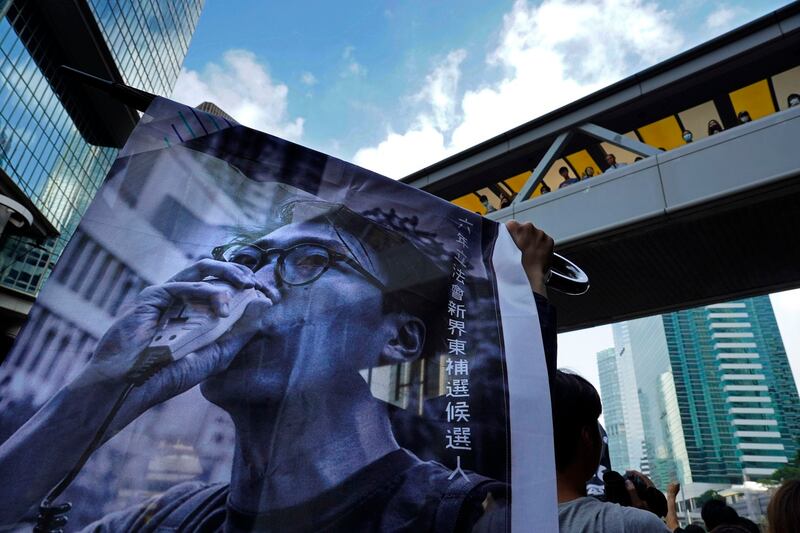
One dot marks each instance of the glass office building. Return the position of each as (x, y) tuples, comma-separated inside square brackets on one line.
[(737, 397), (610, 395), (43, 153), (57, 141), (718, 399), (650, 355), (148, 38)]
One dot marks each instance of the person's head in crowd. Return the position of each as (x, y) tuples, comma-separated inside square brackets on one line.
[(588, 172), (576, 435), (716, 512), (793, 100), (694, 528), (748, 524), (714, 127), (485, 203), (545, 188), (687, 136), (505, 200), (611, 160), (730, 528), (744, 117), (564, 172), (783, 512), (623, 489), (637, 159)]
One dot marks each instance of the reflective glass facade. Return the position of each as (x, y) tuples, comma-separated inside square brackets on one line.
[(148, 38), (718, 399), (608, 370), (737, 397), (42, 150), (45, 155)]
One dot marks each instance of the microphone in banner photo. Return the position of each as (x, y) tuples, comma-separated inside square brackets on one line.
[(188, 326)]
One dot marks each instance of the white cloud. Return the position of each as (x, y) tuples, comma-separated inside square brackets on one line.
[(550, 54), (401, 153), (243, 88), (721, 19), (352, 67), (440, 90), (307, 78)]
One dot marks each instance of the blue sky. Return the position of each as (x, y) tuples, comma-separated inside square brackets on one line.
[(395, 86)]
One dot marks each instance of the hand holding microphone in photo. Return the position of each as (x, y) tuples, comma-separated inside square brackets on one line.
[(177, 334), (174, 336)]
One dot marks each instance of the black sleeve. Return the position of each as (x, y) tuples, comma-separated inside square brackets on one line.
[(548, 325)]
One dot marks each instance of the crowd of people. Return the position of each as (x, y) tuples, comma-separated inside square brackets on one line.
[(630, 501), (621, 502), (714, 127), (588, 172)]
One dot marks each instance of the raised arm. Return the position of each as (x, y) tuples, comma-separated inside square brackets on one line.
[(537, 253), (672, 507)]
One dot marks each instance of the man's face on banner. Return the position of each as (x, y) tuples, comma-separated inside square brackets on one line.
[(328, 320)]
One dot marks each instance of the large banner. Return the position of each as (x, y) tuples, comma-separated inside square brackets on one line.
[(287, 342)]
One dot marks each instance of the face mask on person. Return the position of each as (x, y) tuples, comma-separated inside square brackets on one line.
[(687, 137), (794, 102), (745, 118)]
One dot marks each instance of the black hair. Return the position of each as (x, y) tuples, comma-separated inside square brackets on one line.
[(716, 512), (748, 524), (730, 528), (414, 260), (564, 169), (576, 406), (783, 511), (793, 95)]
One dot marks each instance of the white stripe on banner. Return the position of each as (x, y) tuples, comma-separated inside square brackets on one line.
[(533, 471)]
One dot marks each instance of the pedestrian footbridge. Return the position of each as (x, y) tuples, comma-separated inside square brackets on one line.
[(713, 220), (681, 224)]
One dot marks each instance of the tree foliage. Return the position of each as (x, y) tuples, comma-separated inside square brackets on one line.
[(790, 470), (707, 495)]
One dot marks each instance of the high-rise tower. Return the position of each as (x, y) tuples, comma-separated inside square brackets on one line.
[(58, 138), (610, 394), (738, 400), (629, 391), (718, 400)]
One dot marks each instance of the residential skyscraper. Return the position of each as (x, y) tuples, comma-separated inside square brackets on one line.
[(738, 400), (58, 138), (718, 400)]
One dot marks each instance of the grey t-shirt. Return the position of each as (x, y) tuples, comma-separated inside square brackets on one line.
[(587, 515)]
